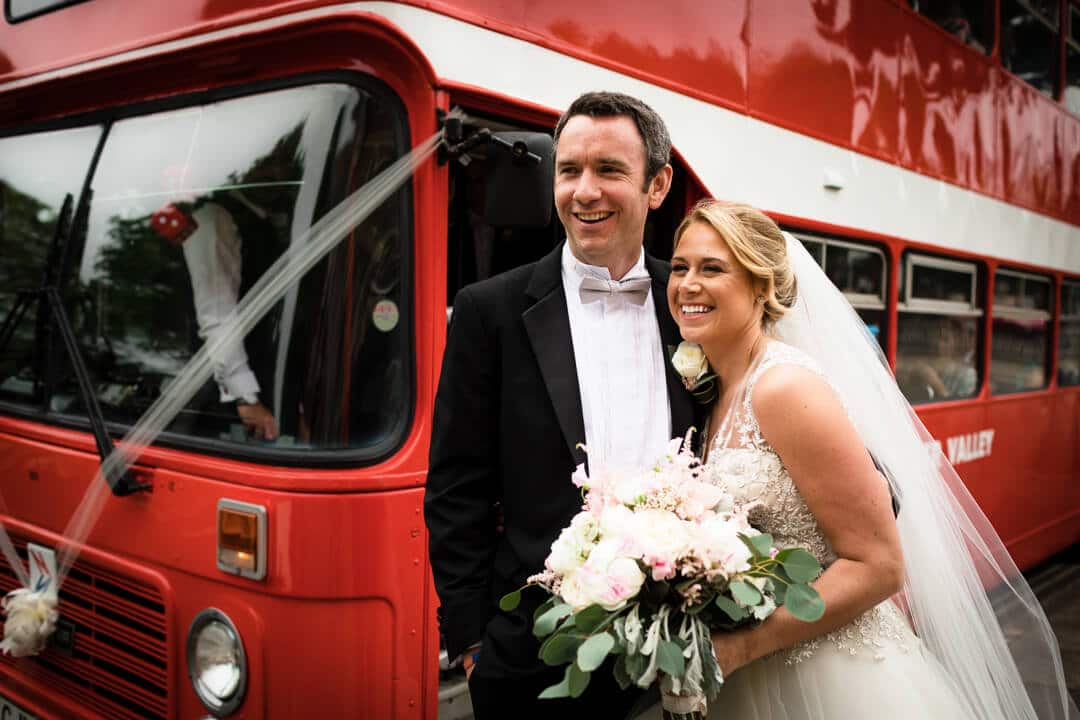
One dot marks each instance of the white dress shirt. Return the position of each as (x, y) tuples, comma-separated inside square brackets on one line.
[(212, 254), (620, 367)]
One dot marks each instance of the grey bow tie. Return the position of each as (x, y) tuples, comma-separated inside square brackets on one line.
[(635, 290)]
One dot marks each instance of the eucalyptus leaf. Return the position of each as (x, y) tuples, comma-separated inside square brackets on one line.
[(670, 658), (560, 689), (545, 624), (804, 603), (590, 618), (577, 680), (801, 566), (510, 601), (732, 609), (592, 652), (547, 605), (560, 648), (760, 545), (745, 593)]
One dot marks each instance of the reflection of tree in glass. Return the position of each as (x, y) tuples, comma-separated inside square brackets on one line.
[(142, 292), (26, 228)]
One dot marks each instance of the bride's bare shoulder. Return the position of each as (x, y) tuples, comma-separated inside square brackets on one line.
[(787, 394)]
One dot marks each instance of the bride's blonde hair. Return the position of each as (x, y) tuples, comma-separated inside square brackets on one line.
[(757, 243)]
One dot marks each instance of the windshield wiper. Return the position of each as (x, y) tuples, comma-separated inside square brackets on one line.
[(48, 297)]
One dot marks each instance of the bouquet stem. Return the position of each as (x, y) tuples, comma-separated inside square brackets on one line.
[(683, 707)]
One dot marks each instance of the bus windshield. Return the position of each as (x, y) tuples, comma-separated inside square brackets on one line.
[(186, 208)]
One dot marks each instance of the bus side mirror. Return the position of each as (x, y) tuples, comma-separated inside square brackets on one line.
[(518, 186)]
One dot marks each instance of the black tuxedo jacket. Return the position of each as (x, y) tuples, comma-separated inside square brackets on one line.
[(507, 423)]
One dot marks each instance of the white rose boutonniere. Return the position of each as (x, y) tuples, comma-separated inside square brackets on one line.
[(693, 367)]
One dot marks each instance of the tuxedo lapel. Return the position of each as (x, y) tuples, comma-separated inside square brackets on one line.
[(682, 405), (548, 327)]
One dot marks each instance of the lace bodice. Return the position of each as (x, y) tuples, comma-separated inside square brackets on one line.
[(746, 466)]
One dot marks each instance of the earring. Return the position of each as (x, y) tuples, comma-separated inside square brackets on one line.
[(761, 299)]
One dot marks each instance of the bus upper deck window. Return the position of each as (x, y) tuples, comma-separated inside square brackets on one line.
[(1071, 95), (1069, 350), (1029, 41), (937, 346), (970, 21), (1020, 337)]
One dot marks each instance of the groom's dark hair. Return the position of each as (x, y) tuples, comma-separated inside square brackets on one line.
[(653, 131)]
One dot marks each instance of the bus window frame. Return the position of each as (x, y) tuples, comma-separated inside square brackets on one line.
[(1007, 312), (312, 458), (1012, 312), (859, 301), (907, 303), (1063, 318)]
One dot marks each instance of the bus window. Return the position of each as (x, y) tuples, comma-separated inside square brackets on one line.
[(937, 329), (1069, 354), (1020, 337), (971, 21), (189, 207), (1029, 41), (1072, 61), (859, 272), (36, 172)]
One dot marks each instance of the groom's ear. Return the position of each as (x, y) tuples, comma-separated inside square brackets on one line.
[(659, 186)]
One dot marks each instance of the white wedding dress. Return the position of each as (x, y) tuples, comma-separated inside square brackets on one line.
[(875, 667)]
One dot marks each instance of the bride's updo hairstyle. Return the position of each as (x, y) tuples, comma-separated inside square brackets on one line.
[(757, 244)]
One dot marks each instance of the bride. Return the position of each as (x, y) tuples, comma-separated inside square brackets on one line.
[(909, 630)]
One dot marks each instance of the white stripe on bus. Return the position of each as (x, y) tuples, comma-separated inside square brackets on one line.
[(737, 157)]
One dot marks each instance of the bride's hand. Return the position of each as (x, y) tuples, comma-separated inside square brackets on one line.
[(731, 650)]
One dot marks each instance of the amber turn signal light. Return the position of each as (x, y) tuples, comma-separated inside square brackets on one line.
[(241, 538)]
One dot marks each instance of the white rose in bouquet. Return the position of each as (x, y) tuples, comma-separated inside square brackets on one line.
[(661, 538), (720, 547), (572, 547)]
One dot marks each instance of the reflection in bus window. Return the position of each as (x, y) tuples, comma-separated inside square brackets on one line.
[(858, 271), (1072, 61), (1029, 41), (938, 330), (970, 21), (1020, 339), (189, 208), (36, 172), (1069, 352)]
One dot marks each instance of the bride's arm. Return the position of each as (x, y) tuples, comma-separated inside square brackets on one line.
[(803, 420)]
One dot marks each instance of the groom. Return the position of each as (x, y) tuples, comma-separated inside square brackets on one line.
[(540, 359)]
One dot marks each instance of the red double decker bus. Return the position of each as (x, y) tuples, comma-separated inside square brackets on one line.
[(266, 556)]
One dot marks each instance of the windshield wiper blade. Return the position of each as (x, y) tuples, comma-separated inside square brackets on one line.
[(48, 295)]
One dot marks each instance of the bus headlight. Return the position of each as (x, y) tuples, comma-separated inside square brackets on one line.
[(216, 663)]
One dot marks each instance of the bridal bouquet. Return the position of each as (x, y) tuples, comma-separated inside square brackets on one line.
[(654, 562)]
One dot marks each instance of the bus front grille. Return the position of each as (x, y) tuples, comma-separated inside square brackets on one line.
[(109, 653)]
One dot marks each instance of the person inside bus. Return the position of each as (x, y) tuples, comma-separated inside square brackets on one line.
[(806, 394), (559, 352), (947, 370), (211, 245)]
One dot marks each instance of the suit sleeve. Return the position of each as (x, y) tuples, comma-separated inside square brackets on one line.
[(462, 479)]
